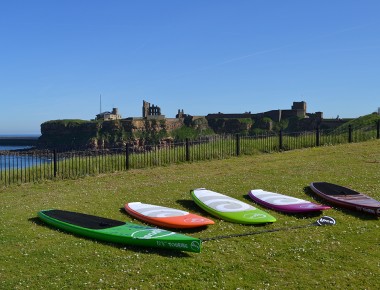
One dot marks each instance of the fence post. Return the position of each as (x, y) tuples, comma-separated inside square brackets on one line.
[(317, 137), (237, 144), (187, 149), (280, 141), (127, 156), (378, 129), (55, 162), (349, 133)]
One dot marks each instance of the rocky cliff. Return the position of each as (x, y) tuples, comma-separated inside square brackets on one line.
[(80, 134)]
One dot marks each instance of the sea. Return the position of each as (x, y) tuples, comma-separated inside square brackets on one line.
[(13, 160), (16, 136), (11, 148)]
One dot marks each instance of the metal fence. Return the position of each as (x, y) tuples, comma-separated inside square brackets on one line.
[(23, 167)]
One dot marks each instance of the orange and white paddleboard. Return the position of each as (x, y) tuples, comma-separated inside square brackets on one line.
[(165, 216)]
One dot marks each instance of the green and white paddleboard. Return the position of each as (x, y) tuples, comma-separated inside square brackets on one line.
[(117, 231), (228, 208)]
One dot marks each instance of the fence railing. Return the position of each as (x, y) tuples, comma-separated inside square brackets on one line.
[(23, 167)]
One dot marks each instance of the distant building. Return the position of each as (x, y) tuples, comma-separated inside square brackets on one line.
[(106, 116), (298, 109), (151, 111)]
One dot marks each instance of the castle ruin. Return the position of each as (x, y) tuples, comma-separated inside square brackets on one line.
[(298, 109), (152, 116), (151, 111)]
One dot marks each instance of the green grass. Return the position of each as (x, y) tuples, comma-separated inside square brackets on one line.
[(367, 121), (345, 256)]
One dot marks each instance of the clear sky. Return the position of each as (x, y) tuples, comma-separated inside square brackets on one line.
[(203, 56)]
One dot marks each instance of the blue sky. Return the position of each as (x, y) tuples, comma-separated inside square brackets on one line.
[(58, 57)]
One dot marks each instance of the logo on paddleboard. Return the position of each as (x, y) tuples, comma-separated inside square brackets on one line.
[(194, 220), (195, 245), (326, 221), (253, 216), (307, 205), (148, 234)]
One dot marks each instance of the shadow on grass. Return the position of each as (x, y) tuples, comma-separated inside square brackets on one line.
[(260, 228), (359, 214), (137, 249), (191, 206)]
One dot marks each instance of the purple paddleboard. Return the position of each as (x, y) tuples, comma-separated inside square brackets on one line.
[(284, 203)]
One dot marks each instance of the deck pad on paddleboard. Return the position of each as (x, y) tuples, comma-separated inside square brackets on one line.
[(165, 216), (228, 208), (346, 197), (118, 232), (284, 203)]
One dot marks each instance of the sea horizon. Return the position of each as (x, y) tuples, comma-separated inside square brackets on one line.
[(12, 147), (10, 142), (28, 135)]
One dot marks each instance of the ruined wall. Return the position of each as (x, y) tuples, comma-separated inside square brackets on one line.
[(228, 116), (275, 115), (293, 113)]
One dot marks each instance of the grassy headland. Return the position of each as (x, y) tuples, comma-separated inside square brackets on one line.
[(345, 256)]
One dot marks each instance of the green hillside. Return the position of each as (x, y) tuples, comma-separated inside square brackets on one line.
[(361, 122)]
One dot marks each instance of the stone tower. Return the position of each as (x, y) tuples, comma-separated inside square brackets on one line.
[(300, 107)]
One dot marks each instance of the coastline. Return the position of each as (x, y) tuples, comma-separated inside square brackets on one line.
[(22, 141), (11, 148)]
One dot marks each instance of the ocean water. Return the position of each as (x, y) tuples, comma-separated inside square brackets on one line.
[(10, 161), (26, 136), (12, 147), (13, 159), (7, 148)]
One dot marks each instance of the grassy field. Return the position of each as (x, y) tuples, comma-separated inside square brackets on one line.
[(345, 256)]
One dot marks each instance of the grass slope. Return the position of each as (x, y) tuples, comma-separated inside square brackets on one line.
[(345, 256), (365, 121)]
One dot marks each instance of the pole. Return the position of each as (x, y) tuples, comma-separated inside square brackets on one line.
[(55, 162), (237, 144), (317, 137), (127, 156), (187, 149)]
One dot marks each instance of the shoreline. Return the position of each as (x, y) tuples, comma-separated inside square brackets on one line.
[(21, 141)]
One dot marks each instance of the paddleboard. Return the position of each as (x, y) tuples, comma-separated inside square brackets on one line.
[(115, 231), (165, 216), (284, 203), (346, 197), (228, 208)]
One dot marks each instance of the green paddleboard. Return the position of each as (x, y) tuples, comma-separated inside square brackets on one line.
[(115, 231), (228, 208)]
